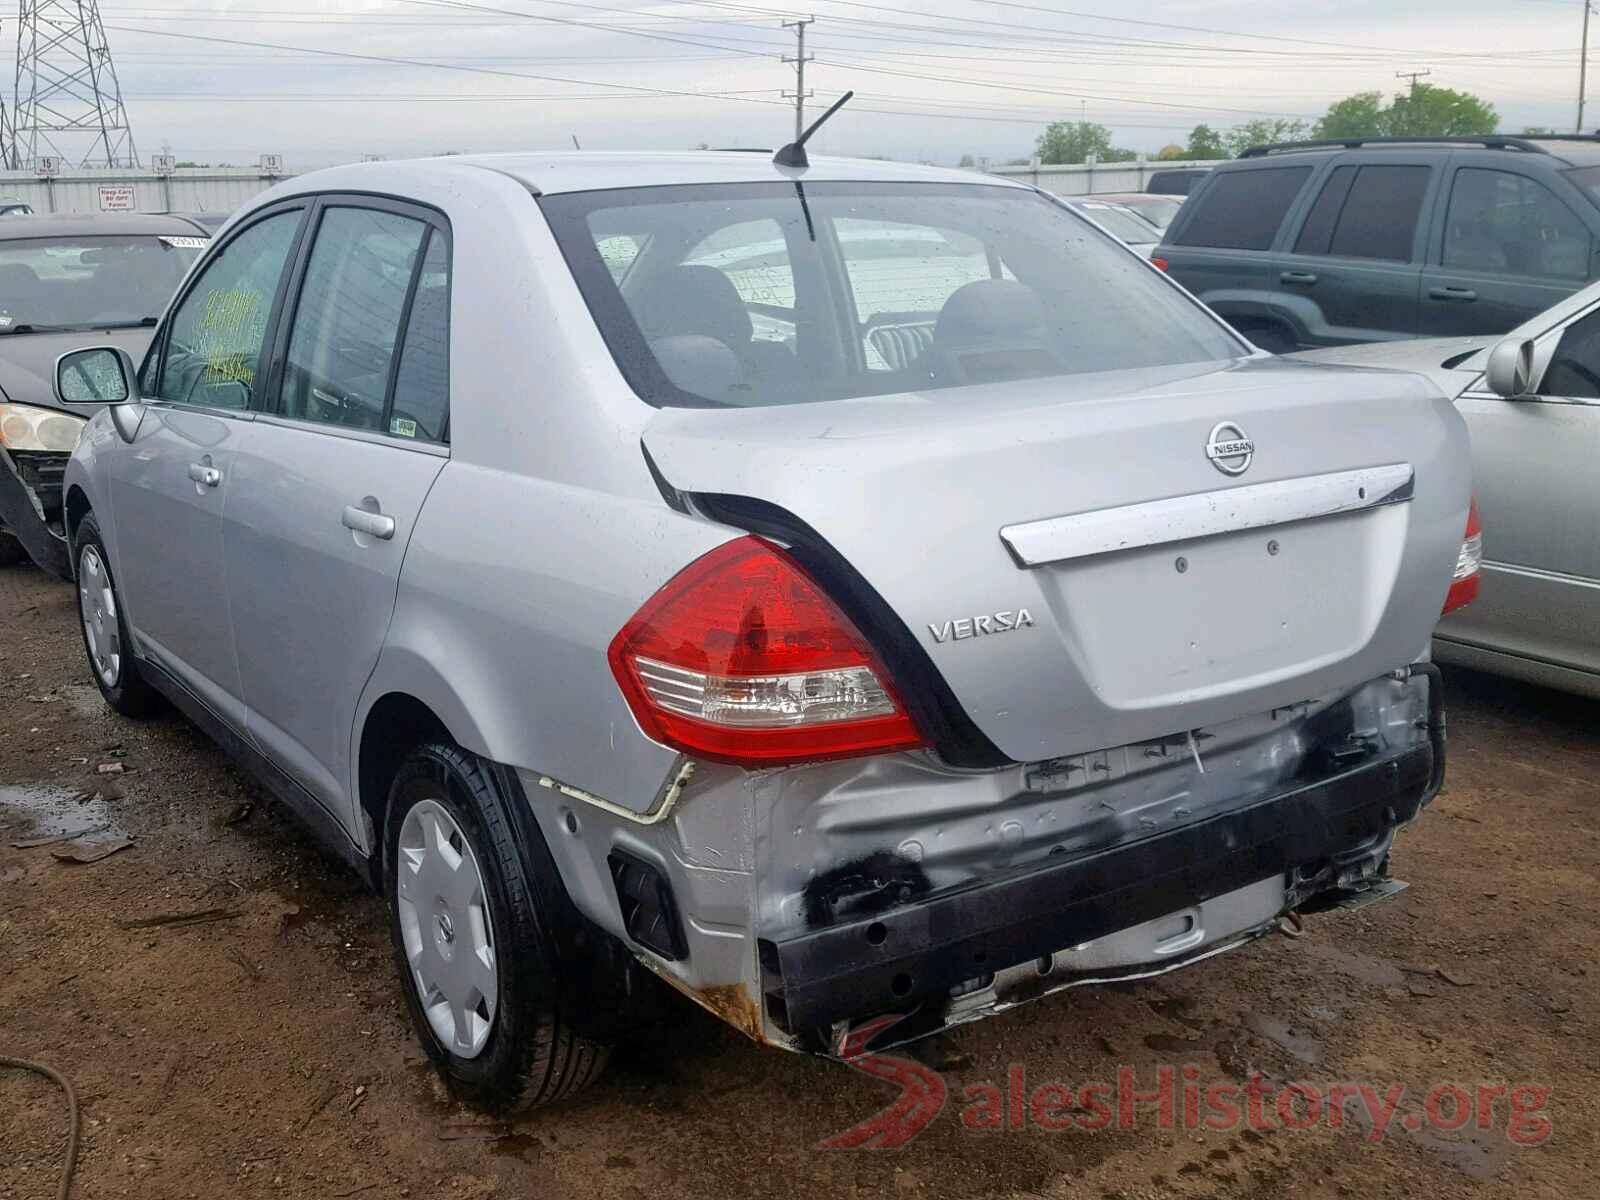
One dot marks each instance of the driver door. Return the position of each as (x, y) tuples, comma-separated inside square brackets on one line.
[(1533, 467), (169, 486)]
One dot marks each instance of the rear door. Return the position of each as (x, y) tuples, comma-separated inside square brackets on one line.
[(1507, 249), (1353, 269), (1533, 468), (326, 495)]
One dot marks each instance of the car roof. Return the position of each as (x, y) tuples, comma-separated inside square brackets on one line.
[(98, 224), (595, 170)]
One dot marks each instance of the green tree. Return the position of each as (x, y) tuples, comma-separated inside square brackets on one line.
[(1205, 142), (1075, 141), (968, 162), (1428, 111), (1263, 131), (1358, 116)]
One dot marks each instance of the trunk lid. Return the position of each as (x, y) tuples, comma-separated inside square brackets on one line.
[(1073, 501)]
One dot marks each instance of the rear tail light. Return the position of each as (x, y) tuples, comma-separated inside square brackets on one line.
[(1464, 583), (1160, 263), (742, 658)]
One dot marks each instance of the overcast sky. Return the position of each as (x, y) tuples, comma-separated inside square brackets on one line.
[(934, 80)]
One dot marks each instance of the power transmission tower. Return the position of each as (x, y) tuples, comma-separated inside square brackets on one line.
[(1415, 77), (8, 144), (1583, 66), (68, 103), (800, 59)]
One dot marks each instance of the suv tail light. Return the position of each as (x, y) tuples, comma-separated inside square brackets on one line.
[(741, 657), (1464, 583)]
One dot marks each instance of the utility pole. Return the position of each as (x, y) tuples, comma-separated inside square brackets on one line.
[(800, 59), (1415, 76), (1583, 66)]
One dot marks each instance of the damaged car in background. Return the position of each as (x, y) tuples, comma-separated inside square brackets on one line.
[(63, 279), (846, 591)]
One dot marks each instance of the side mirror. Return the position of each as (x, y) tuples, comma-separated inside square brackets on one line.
[(1509, 372), (99, 375)]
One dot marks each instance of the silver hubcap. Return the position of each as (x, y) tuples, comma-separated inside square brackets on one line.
[(97, 603), (444, 922)]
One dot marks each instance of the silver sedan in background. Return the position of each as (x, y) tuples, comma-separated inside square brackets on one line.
[(1531, 400)]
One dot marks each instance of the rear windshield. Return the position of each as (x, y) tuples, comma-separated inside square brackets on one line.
[(783, 293), (1119, 222), (89, 282)]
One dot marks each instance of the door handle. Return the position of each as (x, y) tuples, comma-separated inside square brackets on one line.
[(1459, 295), (373, 524), (200, 473), (1302, 277)]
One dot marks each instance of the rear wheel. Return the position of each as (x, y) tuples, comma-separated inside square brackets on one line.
[(473, 943), (105, 631)]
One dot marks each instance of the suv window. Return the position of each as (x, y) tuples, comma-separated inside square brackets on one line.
[(214, 338), (347, 323), (1574, 369), (1505, 223), (1366, 212), (1242, 210)]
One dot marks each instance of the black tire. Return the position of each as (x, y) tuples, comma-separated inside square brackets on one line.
[(130, 694), (533, 1055), (11, 550)]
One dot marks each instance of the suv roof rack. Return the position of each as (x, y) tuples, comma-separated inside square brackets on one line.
[(1492, 141)]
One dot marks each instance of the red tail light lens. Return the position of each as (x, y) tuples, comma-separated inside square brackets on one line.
[(1464, 583), (742, 658), (1160, 263)]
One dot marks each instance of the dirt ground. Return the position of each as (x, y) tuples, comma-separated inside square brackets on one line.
[(266, 1052)]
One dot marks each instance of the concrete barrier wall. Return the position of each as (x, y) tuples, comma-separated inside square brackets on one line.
[(1083, 179), (190, 189)]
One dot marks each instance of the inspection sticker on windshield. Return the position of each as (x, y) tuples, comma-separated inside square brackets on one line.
[(186, 243), (403, 427)]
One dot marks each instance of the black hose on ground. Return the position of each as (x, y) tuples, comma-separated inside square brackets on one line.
[(55, 1076)]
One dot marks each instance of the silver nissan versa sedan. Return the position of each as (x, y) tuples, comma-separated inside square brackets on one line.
[(848, 591)]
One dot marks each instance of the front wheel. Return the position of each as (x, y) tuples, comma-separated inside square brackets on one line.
[(473, 944), (105, 629)]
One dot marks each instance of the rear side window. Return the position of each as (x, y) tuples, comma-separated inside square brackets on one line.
[(1242, 210), (1504, 223), (1366, 212), (347, 325)]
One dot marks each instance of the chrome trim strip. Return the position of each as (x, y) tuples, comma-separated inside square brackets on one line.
[(1204, 514)]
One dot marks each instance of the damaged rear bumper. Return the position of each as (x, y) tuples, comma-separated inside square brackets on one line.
[(891, 960)]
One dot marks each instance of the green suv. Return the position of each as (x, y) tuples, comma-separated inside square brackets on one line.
[(1328, 243)]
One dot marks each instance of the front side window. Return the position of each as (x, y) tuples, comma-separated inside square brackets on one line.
[(1574, 369), (1504, 223), (1242, 210), (49, 284), (1366, 212), (772, 293), (214, 341), (347, 324)]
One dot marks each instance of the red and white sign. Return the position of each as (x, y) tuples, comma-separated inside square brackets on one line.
[(116, 197)]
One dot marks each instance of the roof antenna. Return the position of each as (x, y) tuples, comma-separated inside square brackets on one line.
[(794, 154)]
